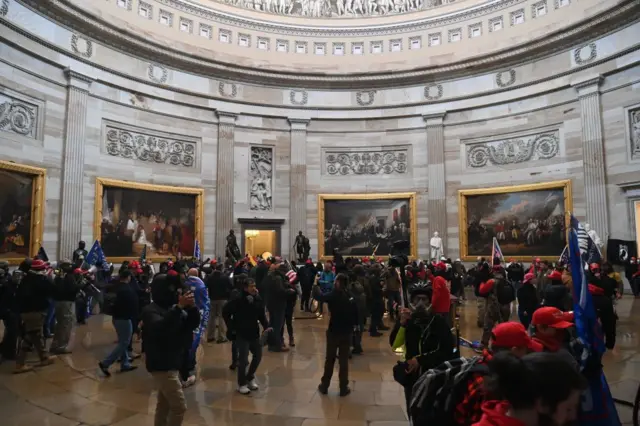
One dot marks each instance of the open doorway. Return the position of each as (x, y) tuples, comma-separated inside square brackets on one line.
[(259, 241)]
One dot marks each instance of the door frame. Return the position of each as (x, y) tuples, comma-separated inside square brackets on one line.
[(262, 225)]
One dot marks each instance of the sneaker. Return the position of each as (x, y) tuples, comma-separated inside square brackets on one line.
[(344, 392), (104, 369), (244, 390), (22, 369), (323, 389), (134, 355), (191, 380), (292, 343), (233, 366), (320, 316), (129, 368), (252, 385)]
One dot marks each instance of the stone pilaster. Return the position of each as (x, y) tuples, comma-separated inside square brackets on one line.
[(224, 183), (437, 196), (73, 162), (593, 164), (298, 181)]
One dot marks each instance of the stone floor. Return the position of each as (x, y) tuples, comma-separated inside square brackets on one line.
[(71, 392)]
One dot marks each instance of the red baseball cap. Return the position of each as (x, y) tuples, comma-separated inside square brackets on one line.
[(513, 334), (552, 317), (555, 275), (528, 278), (38, 265)]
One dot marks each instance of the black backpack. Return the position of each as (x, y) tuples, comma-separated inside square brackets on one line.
[(438, 391), (505, 292)]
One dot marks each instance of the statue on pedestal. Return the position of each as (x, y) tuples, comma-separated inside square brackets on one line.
[(302, 247), (232, 250), (437, 249)]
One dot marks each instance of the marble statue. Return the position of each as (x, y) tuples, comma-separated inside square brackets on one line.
[(302, 247), (635, 132), (437, 249), (336, 8), (594, 236), (261, 172), (232, 251)]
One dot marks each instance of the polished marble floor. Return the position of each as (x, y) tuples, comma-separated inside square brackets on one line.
[(71, 392)]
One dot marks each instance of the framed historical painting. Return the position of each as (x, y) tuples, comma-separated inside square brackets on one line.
[(132, 217), (527, 220), (366, 224), (22, 190)]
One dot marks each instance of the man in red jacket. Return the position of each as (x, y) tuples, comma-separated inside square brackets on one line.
[(441, 299)]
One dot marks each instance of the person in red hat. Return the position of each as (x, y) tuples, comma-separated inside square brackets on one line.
[(537, 389), (556, 294), (441, 299), (506, 337), (497, 304), (528, 300)]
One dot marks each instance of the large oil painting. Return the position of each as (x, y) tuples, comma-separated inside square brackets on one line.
[(366, 224), (21, 211), (527, 220), (129, 217)]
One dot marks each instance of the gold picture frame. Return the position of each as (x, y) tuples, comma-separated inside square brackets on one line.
[(413, 221), (101, 183), (38, 176), (464, 194)]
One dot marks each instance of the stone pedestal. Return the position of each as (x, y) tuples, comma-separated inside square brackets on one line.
[(73, 163), (224, 183), (437, 196), (298, 182), (593, 154)]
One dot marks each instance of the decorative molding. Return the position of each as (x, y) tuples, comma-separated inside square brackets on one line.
[(81, 46), (232, 93), (431, 39), (580, 59), (540, 146), (506, 78), (209, 30), (18, 116), (322, 45), (189, 23), (515, 14), (166, 14), (453, 31), (127, 4), (433, 91), (4, 8), (634, 132), (494, 20), (149, 146), (266, 40), (366, 162), (261, 183), (298, 97), (474, 26), (536, 5), (366, 98), (157, 73), (148, 6)]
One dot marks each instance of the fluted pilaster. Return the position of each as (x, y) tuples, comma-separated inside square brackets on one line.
[(593, 154), (224, 184), (298, 181), (437, 196), (73, 163)]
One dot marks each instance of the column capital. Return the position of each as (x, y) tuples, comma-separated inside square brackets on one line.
[(588, 84), (226, 117), (298, 123), (435, 119), (77, 79)]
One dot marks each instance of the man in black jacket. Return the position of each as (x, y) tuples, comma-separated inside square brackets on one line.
[(344, 318), (66, 288), (80, 253), (242, 314), (8, 314), (32, 299), (277, 296), (306, 275), (123, 314), (220, 287), (166, 323)]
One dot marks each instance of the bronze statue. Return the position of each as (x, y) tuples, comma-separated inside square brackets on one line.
[(302, 247), (232, 250)]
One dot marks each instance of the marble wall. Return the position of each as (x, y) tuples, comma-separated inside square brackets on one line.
[(570, 108)]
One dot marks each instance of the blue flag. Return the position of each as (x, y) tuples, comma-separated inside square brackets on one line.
[(496, 252), (96, 256), (564, 256), (597, 406), (196, 250)]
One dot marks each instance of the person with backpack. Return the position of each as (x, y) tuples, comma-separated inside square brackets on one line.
[(481, 273), (603, 292), (557, 294), (357, 291), (441, 300), (343, 320), (498, 294), (64, 295), (527, 300), (426, 337)]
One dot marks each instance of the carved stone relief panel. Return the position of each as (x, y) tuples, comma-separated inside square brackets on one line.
[(261, 178), (634, 132), (500, 152), (18, 116), (380, 161), (121, 140), (4, 7)]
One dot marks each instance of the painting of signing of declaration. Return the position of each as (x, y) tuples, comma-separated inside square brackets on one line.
[(527, 220), (365, 224), (134, 216)]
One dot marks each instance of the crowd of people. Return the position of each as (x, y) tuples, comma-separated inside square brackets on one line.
[(252, 304)]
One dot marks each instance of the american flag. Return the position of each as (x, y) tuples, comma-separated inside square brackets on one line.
[(564, 256), (496, 251), (196, 251)]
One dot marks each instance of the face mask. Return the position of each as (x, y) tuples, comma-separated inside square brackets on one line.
[(419, 306)]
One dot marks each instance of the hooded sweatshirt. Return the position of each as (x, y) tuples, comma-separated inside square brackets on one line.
[(494, 413)]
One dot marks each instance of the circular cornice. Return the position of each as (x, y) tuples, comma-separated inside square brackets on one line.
[(135, 45)]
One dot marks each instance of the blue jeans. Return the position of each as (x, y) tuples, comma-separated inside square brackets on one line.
[(50, 320), (124, 330)]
